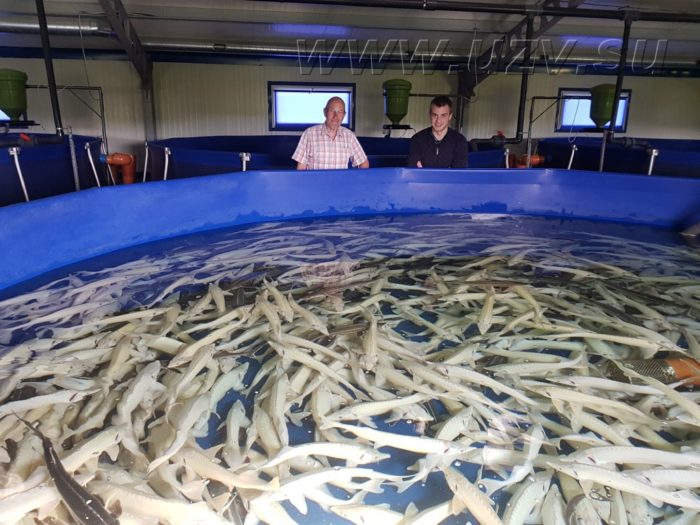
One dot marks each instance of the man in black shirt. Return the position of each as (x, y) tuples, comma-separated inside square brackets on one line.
[(438, 146)]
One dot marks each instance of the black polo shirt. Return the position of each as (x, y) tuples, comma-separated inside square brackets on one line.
[(450, 152)]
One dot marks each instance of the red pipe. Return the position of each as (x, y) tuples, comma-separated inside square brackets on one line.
[(126, 166)]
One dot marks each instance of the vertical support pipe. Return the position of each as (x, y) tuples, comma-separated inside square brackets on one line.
[(529, 133), (608, 134), (73, 159), (621, 72), (524, 77), (46, 47), (460, 113), (602, 149), (102, 120)]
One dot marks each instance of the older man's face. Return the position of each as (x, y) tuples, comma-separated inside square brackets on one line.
[(335, 113)]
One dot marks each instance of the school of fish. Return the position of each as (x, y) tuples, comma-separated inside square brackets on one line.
[(173, 389)]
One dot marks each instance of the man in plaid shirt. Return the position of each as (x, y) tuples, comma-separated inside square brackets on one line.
[(329, 146)]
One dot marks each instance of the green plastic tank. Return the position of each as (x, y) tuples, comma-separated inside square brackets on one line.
[(602, 101), (13, 93), (396, 99)]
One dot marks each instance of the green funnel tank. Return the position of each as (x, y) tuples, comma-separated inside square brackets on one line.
[(13, 93), (396, 99), (602, 102)]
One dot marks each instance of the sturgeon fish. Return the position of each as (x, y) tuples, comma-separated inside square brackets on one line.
[(85, 508)]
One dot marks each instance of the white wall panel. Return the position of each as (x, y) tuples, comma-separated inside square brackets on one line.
[(121, 91), (660, 107)]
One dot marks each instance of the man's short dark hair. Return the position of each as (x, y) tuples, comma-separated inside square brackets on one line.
[(442, 101)]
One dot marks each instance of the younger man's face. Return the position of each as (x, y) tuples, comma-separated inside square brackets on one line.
[(440, 117)]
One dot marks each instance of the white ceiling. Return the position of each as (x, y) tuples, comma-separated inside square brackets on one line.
[(229, 27)]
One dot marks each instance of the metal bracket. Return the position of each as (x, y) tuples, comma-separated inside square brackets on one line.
[(126, 34), (510, 45)]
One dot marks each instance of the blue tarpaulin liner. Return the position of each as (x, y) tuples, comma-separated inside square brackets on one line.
[(196, 156), (43, 235), (677, 158), (47, 169)]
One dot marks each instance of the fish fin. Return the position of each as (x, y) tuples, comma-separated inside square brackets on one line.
[(411, 510), (299, 502), (367, 421), (115, 508), (586, 485), (113, 452)]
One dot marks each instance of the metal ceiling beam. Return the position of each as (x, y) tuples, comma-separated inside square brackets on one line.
[(513, 44), (126, 34), (516, 9)]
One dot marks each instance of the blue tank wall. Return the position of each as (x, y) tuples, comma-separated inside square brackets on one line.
[(47, 169), (43, 235), (196, 156), (677, 158)]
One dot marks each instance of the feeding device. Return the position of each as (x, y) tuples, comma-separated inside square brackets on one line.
[(396, 93), (602, 104), (13, 93)]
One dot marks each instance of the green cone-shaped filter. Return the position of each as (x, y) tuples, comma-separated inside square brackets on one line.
[(396, 99), (13, 93), (602, 101)]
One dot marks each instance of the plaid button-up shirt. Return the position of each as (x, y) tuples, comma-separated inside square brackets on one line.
[(318, 151)]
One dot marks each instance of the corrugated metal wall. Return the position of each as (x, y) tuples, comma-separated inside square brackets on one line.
[(660, 107), (121, 89), (206, 99)]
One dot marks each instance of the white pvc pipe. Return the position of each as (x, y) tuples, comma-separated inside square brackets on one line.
[(145, 163), (574, 149), (14, 152), (167, 159), (654, 154), (92, 163), (245, 157), (103, 149)]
